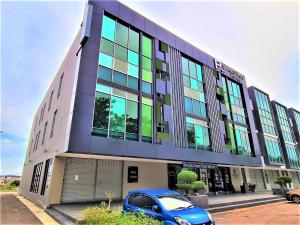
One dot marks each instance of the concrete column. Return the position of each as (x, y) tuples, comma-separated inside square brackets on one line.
[(56, 182), (236, 178)]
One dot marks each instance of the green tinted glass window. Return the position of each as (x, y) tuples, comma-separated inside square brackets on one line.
[(120, 65), (122, 35), (199, 136), (146, 120), (101, 114), (192, 68), (105, 60), (147, 75), (119, 78), (146, 87), (190, 135), (134, 40), (107, 46), (194, 84), (131, 120), (117, 117), (133, 70), (133, 83), (186, 81), (199, 72), (120, 52), (185, 66), (104, 73), (188, 105), (147, 47), (133, 57), (108, 28), (147, 63), (202, 97)]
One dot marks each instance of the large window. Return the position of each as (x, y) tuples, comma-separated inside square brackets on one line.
[(273, 149), (289, 142), (53, 123), (119, 54), (284, 124), (146, 65), (242, 140), (293, 156), (297, 118), (116, 113), (237, 139), (197, 134), (195, 103), (147, 112), (264, 112), (35, 181)]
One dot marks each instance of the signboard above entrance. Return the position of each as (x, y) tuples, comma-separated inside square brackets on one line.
[(200, 165)]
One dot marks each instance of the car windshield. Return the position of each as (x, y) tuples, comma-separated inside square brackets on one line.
[(174, 202)]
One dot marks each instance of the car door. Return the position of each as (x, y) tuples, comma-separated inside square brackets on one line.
[(147, 204), (134, 203)]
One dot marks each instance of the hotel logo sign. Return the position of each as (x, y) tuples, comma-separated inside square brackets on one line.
[(232, 73)]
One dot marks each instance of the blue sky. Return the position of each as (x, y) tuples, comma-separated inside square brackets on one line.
[(259, 39)]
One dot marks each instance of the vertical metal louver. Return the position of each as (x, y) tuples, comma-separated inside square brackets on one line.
[(217, 141), (177, 99)]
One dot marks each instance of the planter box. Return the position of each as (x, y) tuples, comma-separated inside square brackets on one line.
[(199, 200), (278, 191)]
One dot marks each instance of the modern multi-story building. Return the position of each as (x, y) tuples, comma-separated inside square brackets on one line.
[(276, 138), (130, 106)]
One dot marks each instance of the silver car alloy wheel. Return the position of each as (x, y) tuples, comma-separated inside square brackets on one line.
[(296, 199)]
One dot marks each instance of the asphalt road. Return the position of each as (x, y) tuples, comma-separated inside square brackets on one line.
[(14, 212), (282, 213)]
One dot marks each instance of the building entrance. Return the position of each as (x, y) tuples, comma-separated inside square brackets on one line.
[(219, 180)]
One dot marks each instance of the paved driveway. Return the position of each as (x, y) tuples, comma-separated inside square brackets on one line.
[(282, 213), (14, 212)]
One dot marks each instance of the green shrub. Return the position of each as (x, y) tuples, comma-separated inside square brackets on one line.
[(102, 216), (198, 185), (15, 183), (283, 181), (186, 179)]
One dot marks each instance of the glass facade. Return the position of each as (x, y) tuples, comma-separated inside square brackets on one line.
[(272, 143), (116, 110), (116, 113), (297, 119), (290, 146), (195, 105), (119, 54), (237, 132), (197, 134)]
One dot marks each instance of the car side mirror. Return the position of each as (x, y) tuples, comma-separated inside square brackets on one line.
[(155, 208)]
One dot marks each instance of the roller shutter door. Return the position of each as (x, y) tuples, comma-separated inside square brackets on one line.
[(79, 179), (109, 178)]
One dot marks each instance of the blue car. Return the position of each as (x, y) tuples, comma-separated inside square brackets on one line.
[(167, 206)]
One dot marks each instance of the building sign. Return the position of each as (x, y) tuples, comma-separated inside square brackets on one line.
[(231, 72), (133, 174), (199, 165)]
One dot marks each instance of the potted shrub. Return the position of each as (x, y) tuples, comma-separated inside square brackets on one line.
[(282, 182), (186, 179), (200, 187), (187, 182)]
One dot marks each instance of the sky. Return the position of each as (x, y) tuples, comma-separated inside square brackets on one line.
[(258, 39)]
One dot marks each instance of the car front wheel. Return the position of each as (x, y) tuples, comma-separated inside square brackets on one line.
[(296, 198)]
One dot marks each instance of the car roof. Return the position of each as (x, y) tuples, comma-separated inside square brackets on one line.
[(155, 192)]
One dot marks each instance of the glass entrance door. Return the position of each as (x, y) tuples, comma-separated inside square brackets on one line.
[(219, 180)]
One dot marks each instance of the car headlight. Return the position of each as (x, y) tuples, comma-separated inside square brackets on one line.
[(209, 216), (181, 221)]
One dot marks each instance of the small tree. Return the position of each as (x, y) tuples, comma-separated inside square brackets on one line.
[(199, 185), (185, 180), (15, 183), (283, 181)]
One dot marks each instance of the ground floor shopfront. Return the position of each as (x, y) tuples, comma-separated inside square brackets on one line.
[(89, 179)]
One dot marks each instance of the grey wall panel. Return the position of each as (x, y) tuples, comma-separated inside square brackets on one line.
[(217, 141), (177, 99)]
